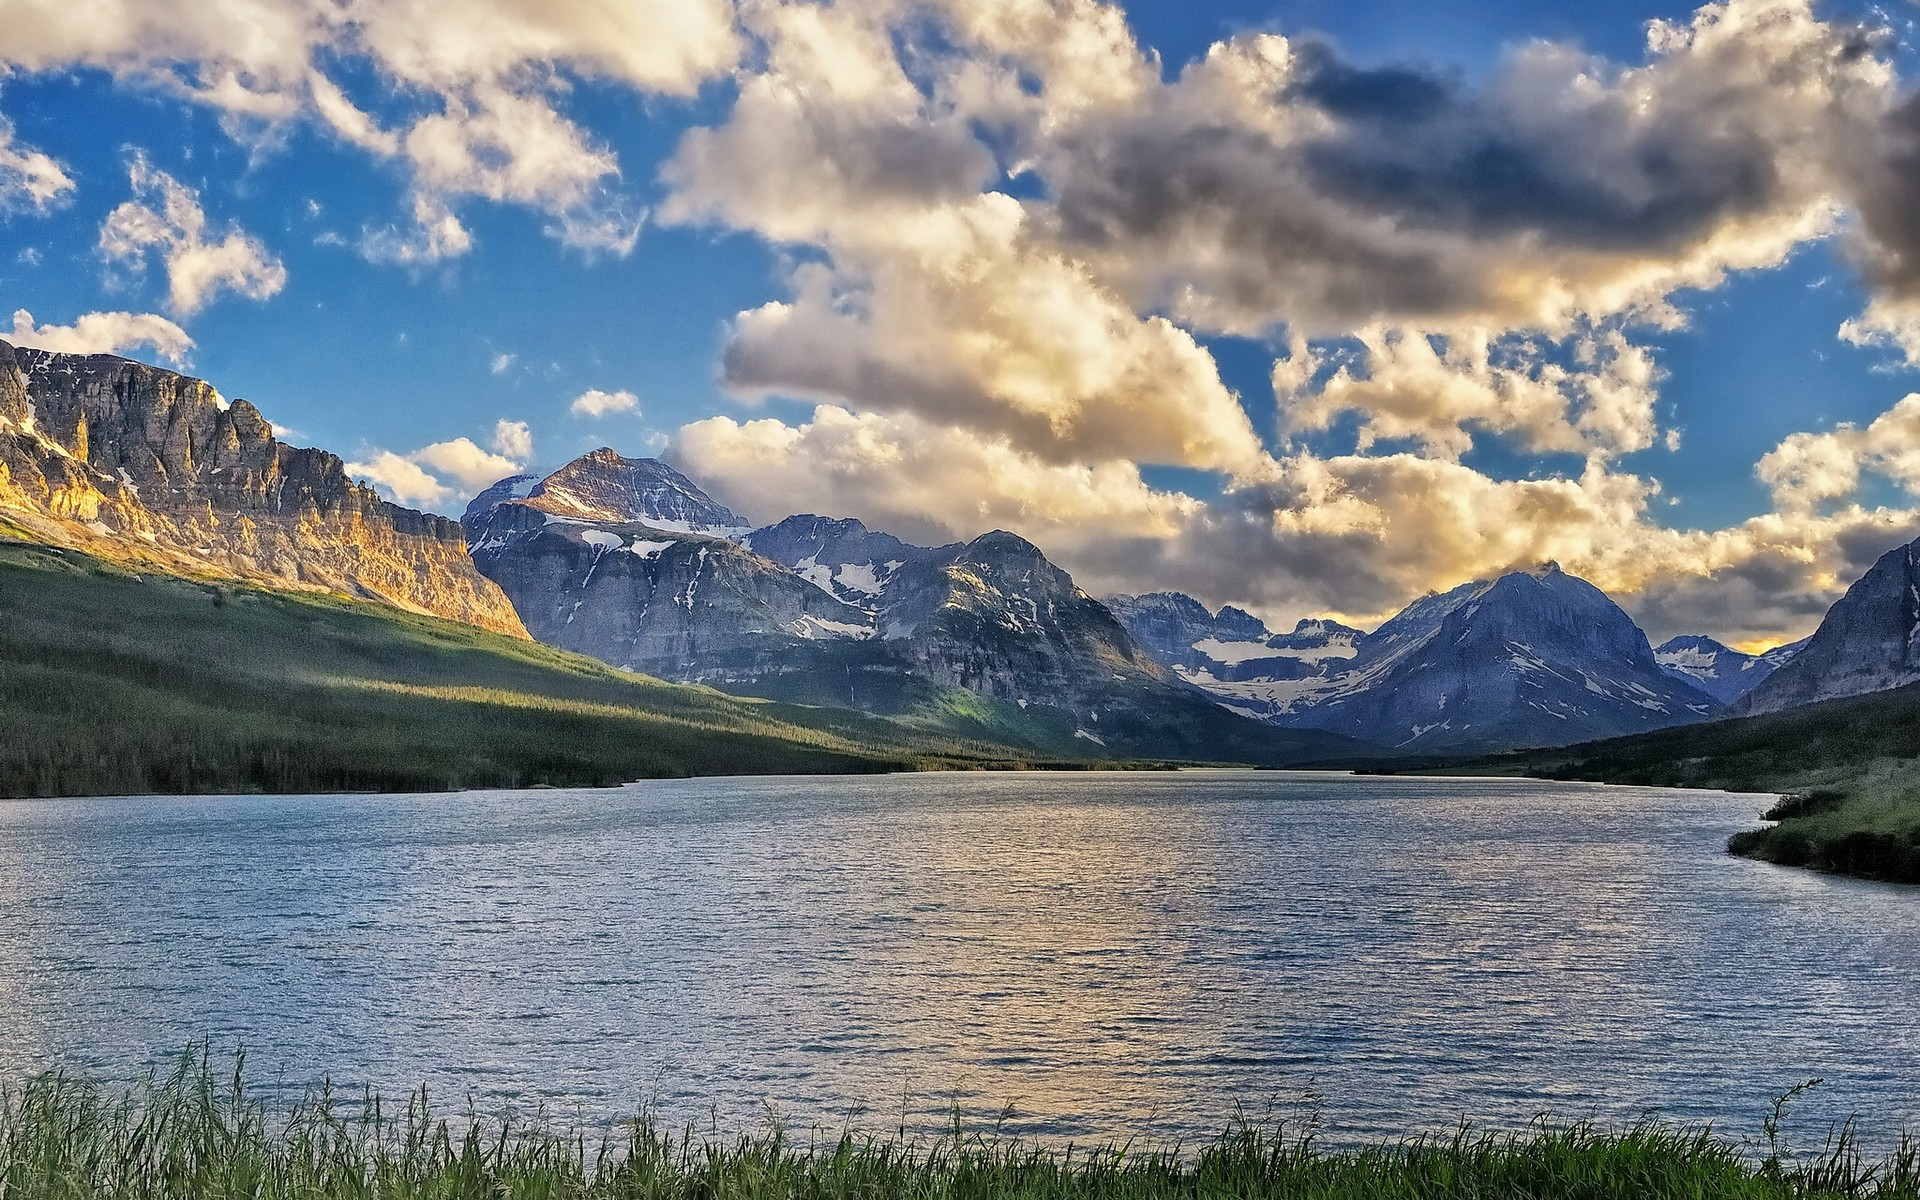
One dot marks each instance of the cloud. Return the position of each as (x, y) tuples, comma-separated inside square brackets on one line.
[(166, 218), (1525, 222), (1275, 182), (1354, 536), (1594, 396), (450, 470), (470, 467), (596, 403), (468, 99), (514, 439), (30, 181), (103, 333), (1810, 469), (500, 363), (435, 236), (925, 481), (401, 479)]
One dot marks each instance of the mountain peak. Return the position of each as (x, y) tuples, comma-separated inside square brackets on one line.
[(607, 486)]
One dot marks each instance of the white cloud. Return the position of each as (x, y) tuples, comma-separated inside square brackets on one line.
[(30, 180), (474, 94), (1595, 394), (514, 439), (596, 403), (500, 364), (471, 467), (400, 479), (103, 333), (436, 235), (166, 217), (1810, 469)]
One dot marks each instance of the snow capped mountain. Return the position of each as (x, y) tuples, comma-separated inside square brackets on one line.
[(1171, 625), (1532, 658), (619, 558), (1231, 645), (1720, 671), (629, 561), (605, 486), (1869, 641), (843, 557)]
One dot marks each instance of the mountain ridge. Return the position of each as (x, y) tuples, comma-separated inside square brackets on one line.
[(155, 468)]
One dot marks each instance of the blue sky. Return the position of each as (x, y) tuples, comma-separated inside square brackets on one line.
[(367, 356)]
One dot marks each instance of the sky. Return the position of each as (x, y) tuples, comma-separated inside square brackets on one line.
[(1303, 306)]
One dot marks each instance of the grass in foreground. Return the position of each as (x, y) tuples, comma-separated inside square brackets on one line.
[(1849, 769), (114, 683), (193, 1137)]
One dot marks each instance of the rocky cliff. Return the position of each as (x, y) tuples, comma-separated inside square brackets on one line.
[(155, 469), (1869, 641)]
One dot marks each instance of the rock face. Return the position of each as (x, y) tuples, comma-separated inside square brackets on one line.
[(628, 561), (153, 468), (1724, 673), (1869, 641)]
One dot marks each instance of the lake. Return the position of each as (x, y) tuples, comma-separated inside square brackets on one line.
[(1079, 955)]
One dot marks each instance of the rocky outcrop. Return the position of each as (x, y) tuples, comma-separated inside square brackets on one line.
[(155, 469), (1869, 641)]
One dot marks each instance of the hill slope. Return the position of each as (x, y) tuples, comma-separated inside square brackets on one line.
[(1850, 769), (117, 683)]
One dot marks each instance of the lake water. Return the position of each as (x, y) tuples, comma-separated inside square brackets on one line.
[(1099, 954)]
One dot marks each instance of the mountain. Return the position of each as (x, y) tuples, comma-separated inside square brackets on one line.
[(1868, 641), (1724, 673), (155, 469), (1232, 645), (628, 561), (1533, 658), (843, 557)]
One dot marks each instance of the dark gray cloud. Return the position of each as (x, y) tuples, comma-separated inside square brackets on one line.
[(1282, 182)]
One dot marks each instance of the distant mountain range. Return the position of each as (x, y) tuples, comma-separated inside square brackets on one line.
[(632, 563), (1531, 658), (629, 561)]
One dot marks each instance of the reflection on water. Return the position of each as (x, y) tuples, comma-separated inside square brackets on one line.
[(1106, 954)]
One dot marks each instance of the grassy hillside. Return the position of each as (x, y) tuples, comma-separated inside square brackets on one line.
[(116, 683), (1850, 770)]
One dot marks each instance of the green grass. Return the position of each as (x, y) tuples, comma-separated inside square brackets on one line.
[(1849, 769), (113, 682), (197, 1137)]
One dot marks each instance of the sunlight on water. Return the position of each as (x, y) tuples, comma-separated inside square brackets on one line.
[(1104, 954)]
